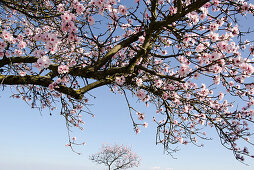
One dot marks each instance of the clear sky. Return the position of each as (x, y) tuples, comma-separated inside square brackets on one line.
[(31, 140)]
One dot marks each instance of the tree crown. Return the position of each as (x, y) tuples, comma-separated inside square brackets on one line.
[(190, 58)]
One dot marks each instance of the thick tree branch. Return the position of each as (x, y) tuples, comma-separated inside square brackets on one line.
[(114, 50), (38, 80), (93, 85), (11, 60), (152, 72), (172, 18)]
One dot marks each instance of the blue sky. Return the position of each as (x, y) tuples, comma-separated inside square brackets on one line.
[(32, 140)]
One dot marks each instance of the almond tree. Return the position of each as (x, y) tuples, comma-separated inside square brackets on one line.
[(116, 157), (190, 58)]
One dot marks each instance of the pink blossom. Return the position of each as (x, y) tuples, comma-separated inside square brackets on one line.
[(2, 45), (215, 56), (91, 20), (43, 62), (141, 94), (22, 44), (170, 87), (139, 81), (216, 69), (112, 2), (7, 36), (252, 50), (22, 73), (158, 83), (120, 80), (137, 130), (147, 16), (164, 52), (1, 54), (51, 86), (165, 96), (196, 75), (207, 5), (141, 39), (175, 122), (18, 52), (60, 8), (238, 61), (222, 45), (122, 9), (80, 9), (231, 83), (63, 69), (158, 61), (214, 27), (145, 124), (38, 53), (203, 16), (204, 92), (59, 80), (147, 98), (214, 36), (216, 79), (72, 37), (200, 48), (141, 116), (66, 17), (160, 2), (235, 30), (221, 95), (247, 68), (184, 70), (180, 140), (69, 144)]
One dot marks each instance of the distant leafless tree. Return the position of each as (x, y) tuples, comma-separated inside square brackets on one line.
[(116, 157)]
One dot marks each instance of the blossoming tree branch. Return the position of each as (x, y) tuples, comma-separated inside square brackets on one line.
[(192, 59)]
